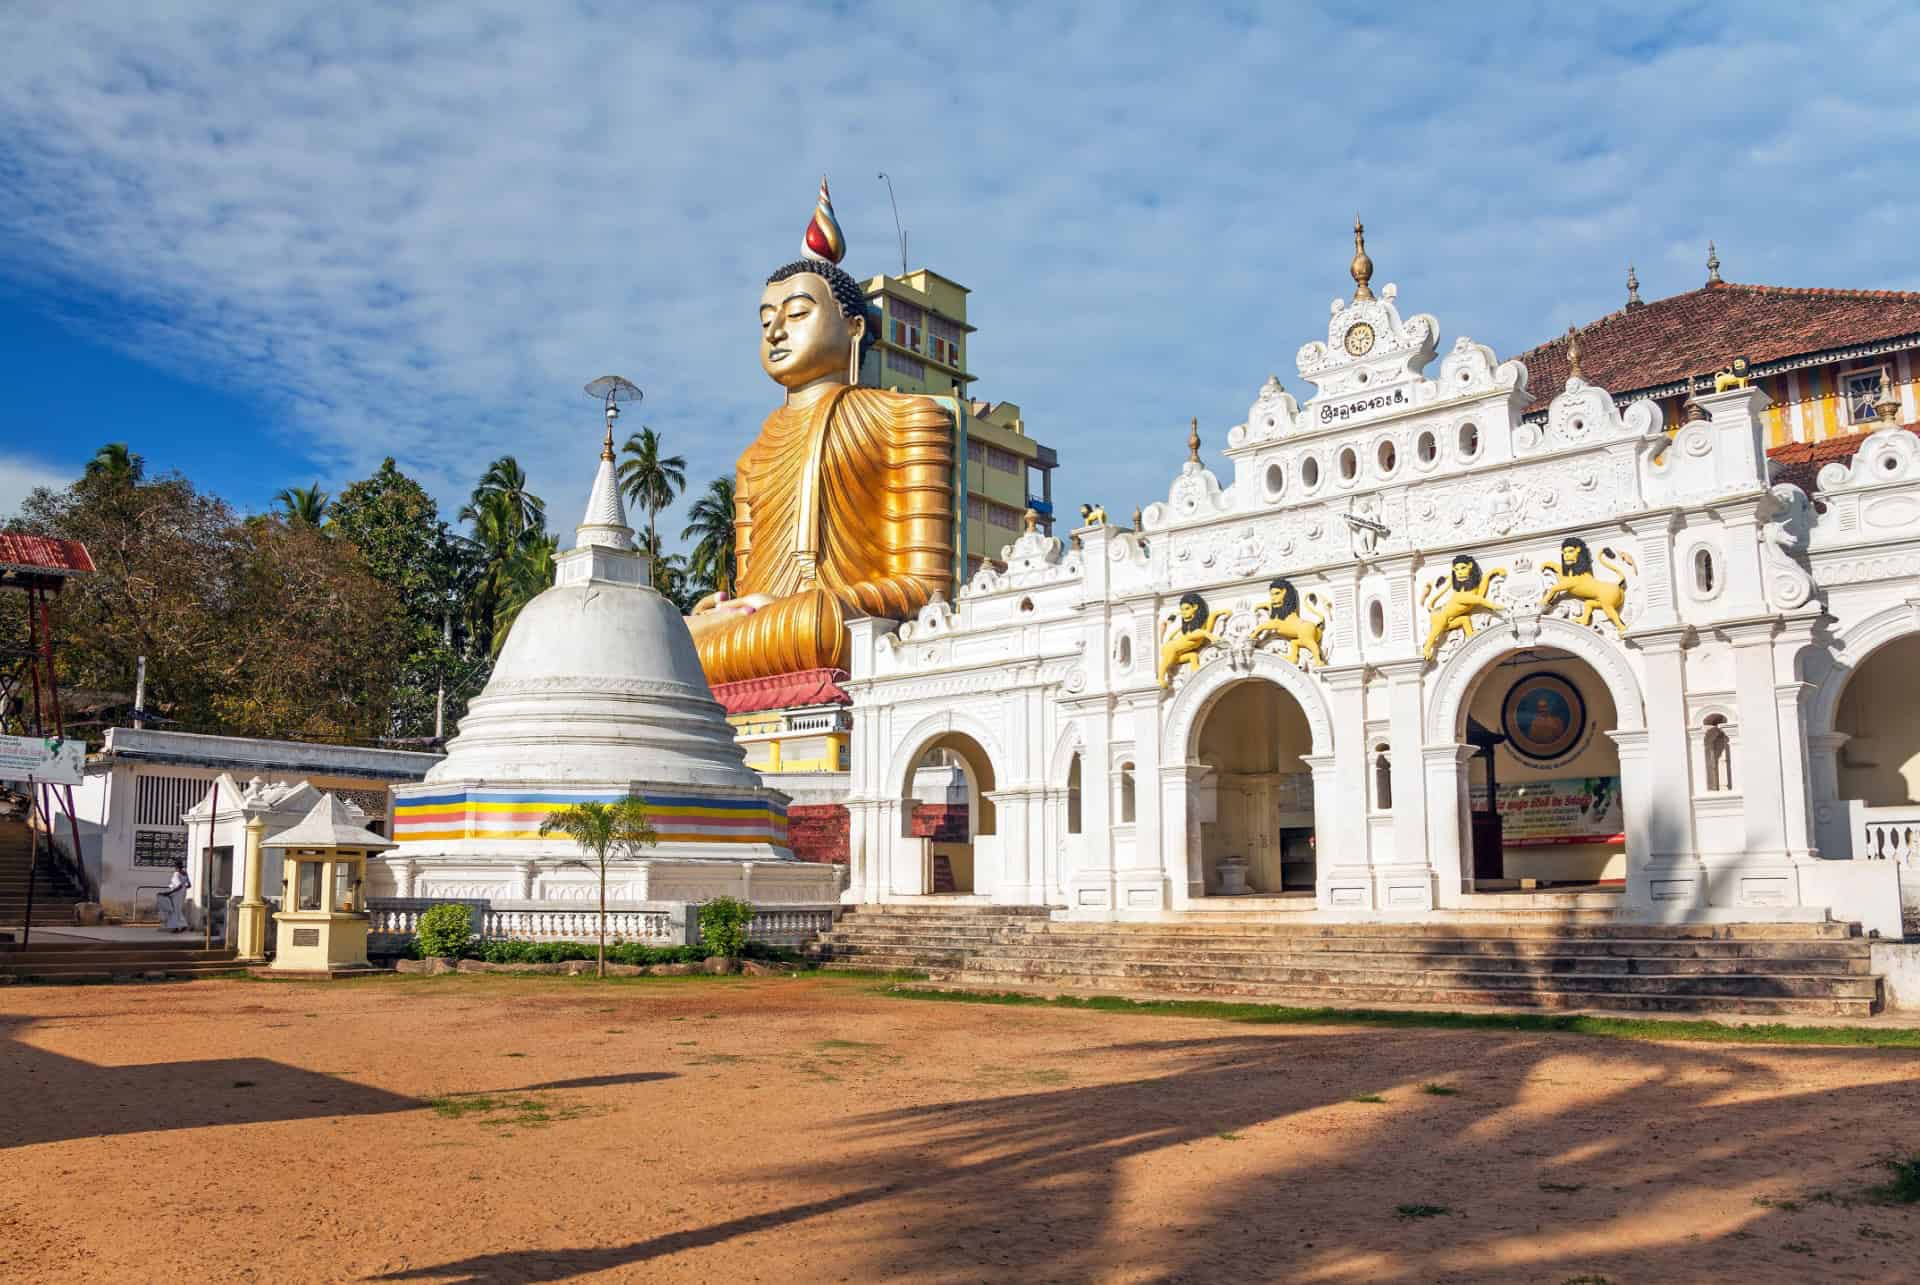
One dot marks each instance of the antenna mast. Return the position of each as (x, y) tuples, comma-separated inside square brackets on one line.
[(896, 222)]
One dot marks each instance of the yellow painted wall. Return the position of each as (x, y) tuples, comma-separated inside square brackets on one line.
[(1880, 711)]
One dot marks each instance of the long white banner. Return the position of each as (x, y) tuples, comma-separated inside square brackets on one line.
[(47, 759)]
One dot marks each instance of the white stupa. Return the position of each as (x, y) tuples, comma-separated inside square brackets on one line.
[(597, 693)]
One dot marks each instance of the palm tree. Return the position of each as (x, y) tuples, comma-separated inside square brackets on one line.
[(491, 547), (115, 463), (304, 505), (649, 479), (529, 574), (505, 477), (604, 829), (710, 526)]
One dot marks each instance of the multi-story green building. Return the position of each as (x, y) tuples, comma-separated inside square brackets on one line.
[(922, 348)]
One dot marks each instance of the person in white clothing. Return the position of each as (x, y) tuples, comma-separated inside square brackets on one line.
[(172, 904)]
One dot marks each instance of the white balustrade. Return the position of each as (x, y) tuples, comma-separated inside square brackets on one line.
[(1885, 834), (655, 923)]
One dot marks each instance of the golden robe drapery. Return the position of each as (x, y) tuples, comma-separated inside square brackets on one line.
[(842, 508)]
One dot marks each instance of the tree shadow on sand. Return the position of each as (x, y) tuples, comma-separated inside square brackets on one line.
[(1048, 1185)]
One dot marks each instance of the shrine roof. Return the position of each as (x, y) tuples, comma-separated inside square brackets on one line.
[(1800, 462), (784, 691), (44, 555), (1653, 346)]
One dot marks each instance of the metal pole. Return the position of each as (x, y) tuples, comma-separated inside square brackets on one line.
[(33, 858), (140, 694)]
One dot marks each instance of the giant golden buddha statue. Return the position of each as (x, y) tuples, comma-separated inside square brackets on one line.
[(843, 506)]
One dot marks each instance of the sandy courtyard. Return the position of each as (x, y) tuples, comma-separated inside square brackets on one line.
[(494, 1129)]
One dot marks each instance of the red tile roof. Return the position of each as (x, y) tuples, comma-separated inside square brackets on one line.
[(1800, 462), (784, 691), (1699, 332), (43, 555)]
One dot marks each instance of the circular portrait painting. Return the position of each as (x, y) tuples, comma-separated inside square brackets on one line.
[(1543, 717)]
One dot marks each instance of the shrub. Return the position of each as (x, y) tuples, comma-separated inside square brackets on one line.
[(723, 926), (445, 930)]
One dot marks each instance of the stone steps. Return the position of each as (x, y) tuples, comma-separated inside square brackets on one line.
[(1816, 969), (1621, 963), (107, 961), (1207, 946)]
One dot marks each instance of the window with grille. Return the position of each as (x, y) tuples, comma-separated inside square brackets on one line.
[(160, 800), (1002, 461), (1862, 391), (905, 365)]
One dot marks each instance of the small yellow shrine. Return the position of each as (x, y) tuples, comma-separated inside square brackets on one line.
[(322, 918)]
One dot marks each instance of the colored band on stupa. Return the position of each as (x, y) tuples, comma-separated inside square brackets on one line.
[(517, 814), (823, 239)]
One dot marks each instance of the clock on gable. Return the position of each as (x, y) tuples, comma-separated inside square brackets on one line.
[(1359, 339)]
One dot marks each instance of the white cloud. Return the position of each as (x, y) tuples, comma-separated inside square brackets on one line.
[(19, 475), (423, 231)]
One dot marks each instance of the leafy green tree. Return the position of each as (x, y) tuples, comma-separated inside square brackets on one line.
[(710, 563), (396, 526), (303, 505), (605, 830), (116, 464), (650, 479)]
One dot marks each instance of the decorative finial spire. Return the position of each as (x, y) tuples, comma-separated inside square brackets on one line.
[(1193, 441), (606, 449), (1633, 288), (1887, 408), (1136, 517), (1573, 355), (1032, 520), (1713, 265), (823, 240), (1362, 266)]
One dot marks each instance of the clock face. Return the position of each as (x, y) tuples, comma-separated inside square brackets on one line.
[(1359, 339)]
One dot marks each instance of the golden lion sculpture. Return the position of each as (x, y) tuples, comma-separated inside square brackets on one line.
[(1575, 579), (1465, 589), (1736, 375), (1093, 515), (1188, 634), (1287, 621)]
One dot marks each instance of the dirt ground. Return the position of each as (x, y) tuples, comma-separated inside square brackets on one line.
[(476, 1128)]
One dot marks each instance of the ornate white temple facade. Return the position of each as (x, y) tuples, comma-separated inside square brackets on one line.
[(1287, 689)]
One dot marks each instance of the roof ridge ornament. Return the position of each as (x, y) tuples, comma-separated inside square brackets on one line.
[(1362, 266), (1573, 355), (1713, 266), (1633, 289), (1193, 441)]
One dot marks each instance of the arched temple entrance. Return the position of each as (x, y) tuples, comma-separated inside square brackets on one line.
[(1879, 714), (947, 805), (1545, 804), (1253, 798)]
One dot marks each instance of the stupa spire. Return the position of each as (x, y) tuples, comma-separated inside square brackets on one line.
[(605, 521)]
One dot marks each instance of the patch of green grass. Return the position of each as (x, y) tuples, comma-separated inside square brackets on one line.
[(828, 1046), (1439, 1090), (526, 1112), (1563, 1188), (1799, 1247), (513, 1055), (1225, 1136), (715, 1059), (1586, 1280), (1421, 1211), (1904, 1188), (1682, 1030), (1367, 1097)]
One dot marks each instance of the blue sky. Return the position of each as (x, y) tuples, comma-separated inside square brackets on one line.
[(269, 245)]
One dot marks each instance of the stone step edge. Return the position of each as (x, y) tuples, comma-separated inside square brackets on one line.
[(1146, 995)]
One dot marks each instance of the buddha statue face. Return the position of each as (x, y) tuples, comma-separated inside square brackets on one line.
[(805, 335)]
